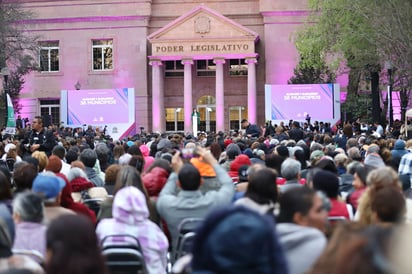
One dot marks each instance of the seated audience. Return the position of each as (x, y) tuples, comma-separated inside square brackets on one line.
[(66, 199), (301, 226), (174, 205), (28, 217), (359, 184), (128, 176), (60, 152), (290, 171), (388, 205), (78, 180), (72, 247), (236, 240), (89, 159), (50, 187), (42, 159), (23, 177), (354, 248), (156, 177), (328, 183), (110, 177), (261, 194), (377, 179), (6, 196), (7, 259), (131, 217)]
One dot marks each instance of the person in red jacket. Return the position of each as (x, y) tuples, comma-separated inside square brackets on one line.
[(328, 183), (239, 161), (156, 177)]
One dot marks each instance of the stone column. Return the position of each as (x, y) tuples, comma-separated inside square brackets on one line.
[(251, 89), (220, 95), (188, 107), (158, 108)]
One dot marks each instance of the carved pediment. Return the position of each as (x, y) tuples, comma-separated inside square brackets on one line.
[(203, 24)]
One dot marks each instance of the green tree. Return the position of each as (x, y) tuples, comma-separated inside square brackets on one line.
[(18, 49), (360, 36), (311, 75)]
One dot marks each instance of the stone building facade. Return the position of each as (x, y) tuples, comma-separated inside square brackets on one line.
[(213, 56)]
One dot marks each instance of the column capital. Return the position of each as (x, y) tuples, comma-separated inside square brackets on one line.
[(187, 61), (219, 61), (155, 62), (250, 60)]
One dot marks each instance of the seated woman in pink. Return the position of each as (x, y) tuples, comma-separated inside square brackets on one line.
[(131, 217)]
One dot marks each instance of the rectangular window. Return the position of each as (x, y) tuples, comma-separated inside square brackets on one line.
[(102, 54), (238, 67), (174, 119), (50, 111), (205, 68), (49, 56), (174, 69), (236, 114)]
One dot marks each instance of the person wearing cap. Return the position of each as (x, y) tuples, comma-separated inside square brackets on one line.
[(66, 199), (236, 240), (50, 187), (251, 130), (239, 161), (175, 205), (397, 152)]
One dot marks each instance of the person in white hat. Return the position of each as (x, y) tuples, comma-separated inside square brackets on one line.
[(11, 153)]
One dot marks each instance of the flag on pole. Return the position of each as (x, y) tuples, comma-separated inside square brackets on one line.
[(11, 122)]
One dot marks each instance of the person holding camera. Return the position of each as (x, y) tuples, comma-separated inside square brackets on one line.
[(181, 197), (39, 139)]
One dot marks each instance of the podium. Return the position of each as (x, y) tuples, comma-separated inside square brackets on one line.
[(194, 124)]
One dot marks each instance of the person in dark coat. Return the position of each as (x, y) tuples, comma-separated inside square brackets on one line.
[(296, 133), (39, 139), (251, 130)]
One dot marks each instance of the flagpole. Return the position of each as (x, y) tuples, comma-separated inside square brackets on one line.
[(5, 72)]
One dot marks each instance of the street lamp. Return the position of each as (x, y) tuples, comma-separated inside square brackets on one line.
[(389, 68), (6, 73)]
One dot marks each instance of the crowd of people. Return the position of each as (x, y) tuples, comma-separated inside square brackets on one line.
[(296, 198)]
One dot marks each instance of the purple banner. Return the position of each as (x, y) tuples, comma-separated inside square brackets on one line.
[(296, 101), (103, 106)]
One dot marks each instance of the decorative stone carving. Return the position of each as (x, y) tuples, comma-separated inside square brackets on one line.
[(202, 25)]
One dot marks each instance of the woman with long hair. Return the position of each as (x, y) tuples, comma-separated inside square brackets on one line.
[(127, 176), (72, 247)]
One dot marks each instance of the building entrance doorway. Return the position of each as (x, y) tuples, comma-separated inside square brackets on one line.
[(206, 106)]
